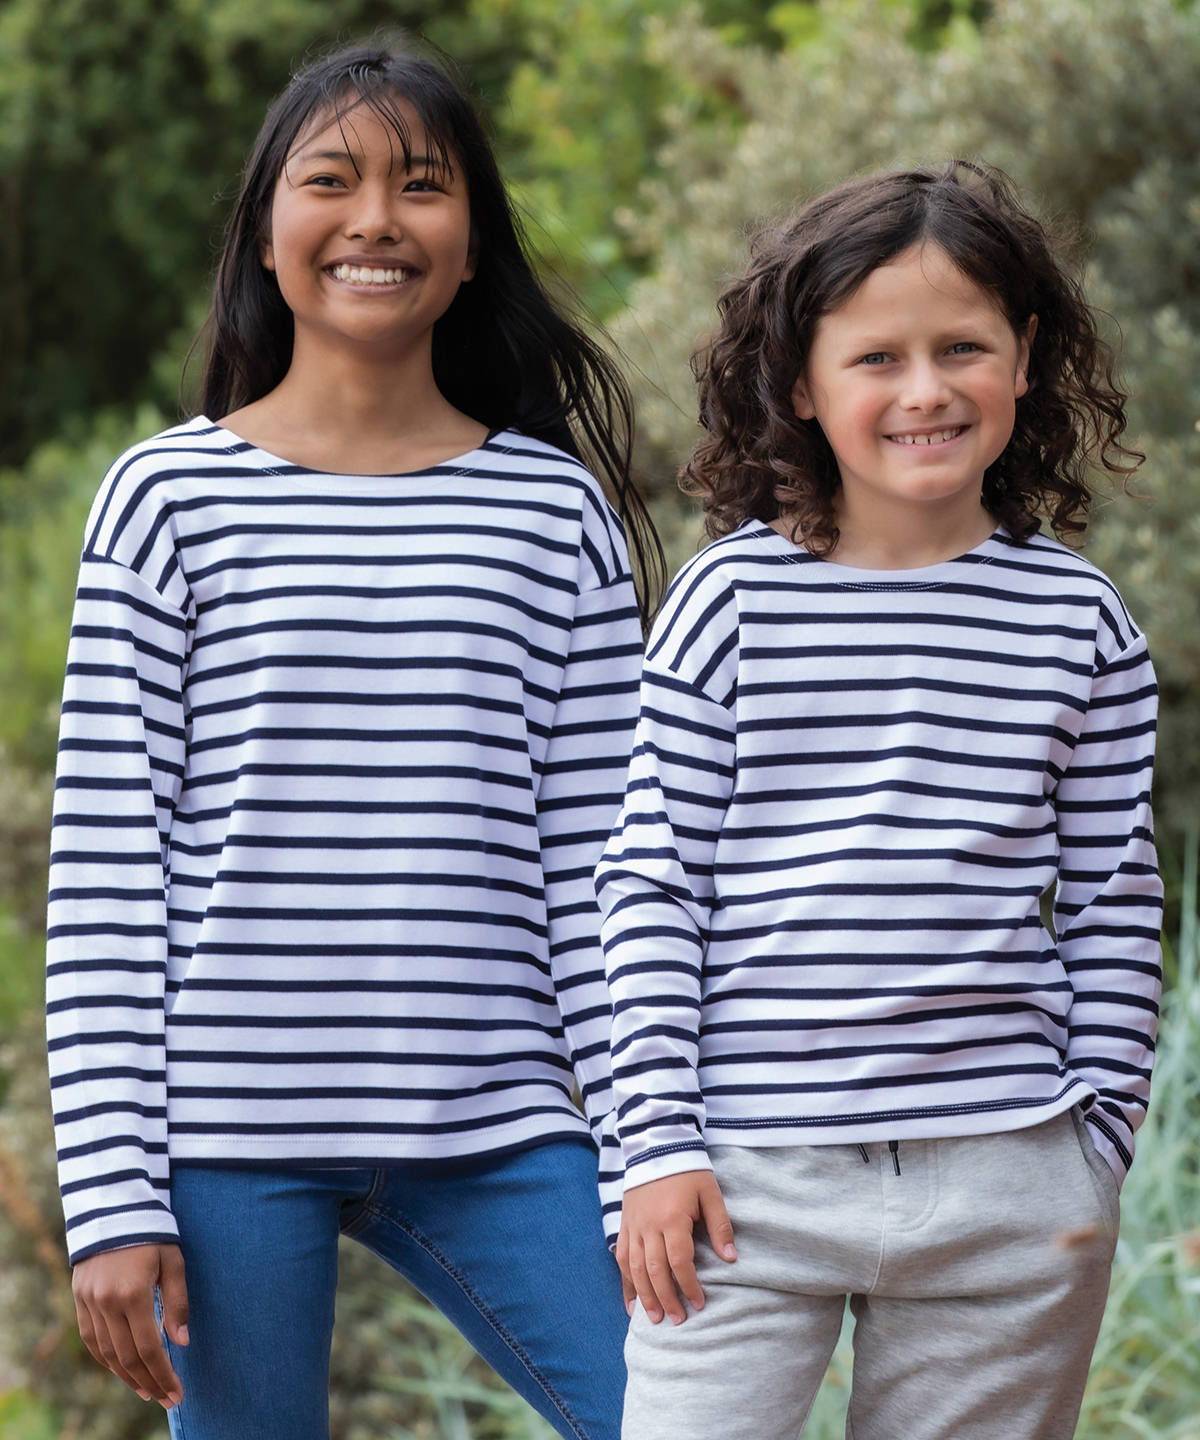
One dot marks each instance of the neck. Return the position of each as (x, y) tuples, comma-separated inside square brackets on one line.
[(357, 410), (356, 388), (876, 537)]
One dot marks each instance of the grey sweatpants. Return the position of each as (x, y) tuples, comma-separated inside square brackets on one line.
[(977, 1277)]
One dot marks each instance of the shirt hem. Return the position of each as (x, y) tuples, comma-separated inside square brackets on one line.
[(351, 1152), (989, 1117)]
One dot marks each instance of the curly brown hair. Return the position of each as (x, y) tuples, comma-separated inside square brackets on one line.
[(759, 461)]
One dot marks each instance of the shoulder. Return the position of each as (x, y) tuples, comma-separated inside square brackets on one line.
[(144, 480), (696, 634), (564, 489), (1050, 570), (713, 575), (131, 520), (510, 452)]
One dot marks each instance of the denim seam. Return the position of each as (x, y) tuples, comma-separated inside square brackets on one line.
[(476, 1300), (365, 1207), (181, 1432)]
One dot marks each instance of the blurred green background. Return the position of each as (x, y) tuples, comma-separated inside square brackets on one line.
[(643, 139)]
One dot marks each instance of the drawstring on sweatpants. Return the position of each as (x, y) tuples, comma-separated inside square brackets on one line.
[(893, 1146)]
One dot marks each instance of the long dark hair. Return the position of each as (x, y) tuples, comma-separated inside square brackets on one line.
[(760, 461), (503, 353)]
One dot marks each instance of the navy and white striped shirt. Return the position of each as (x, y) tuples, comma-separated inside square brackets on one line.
[(849, 791), (339, 754)]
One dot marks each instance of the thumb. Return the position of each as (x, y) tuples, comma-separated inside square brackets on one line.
[(716, 1220), (172, 1291)]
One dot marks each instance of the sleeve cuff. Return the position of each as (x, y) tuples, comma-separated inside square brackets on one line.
[(664, 1160)]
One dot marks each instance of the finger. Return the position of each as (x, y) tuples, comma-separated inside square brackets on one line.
[(717, 1222), (94, 1335), (87, 1331), (152, 1360), (628, 1290), (658, 1267), (140, 1350), (628, 1293), (130, 1342), (681, 1255), (643, 1284), (109, 1354), (172, 1294)]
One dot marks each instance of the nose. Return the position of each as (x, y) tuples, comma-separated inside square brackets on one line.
[(924, 387), (374, 217)]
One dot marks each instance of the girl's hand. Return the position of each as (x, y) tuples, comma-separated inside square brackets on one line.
[(655, 1248), (114, 1304)]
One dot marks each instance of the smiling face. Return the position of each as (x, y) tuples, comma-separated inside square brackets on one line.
[(368, 250), (914, 381)]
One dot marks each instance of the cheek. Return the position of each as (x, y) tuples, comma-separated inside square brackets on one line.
[(453, 240), (1000, 403), (999, 409), (857, 418)]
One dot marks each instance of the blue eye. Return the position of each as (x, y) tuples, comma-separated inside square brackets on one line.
[(963, 347), (876, 357)]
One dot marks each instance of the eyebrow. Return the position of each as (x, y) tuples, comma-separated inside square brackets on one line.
[(417, 162)]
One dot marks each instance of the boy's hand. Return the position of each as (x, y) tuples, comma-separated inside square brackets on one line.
[(655, 1248), (114, 1304)]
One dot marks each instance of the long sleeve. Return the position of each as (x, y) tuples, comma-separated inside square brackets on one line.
[(579, 794), (1108, 905), (121, 756), (656, 888)]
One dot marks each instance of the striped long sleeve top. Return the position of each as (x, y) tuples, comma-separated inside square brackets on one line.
[(338, 756), (850, 790)]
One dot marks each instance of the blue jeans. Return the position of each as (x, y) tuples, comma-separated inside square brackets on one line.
[(510, 1249)]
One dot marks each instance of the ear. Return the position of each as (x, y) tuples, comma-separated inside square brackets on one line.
[(1024, 349), (266, 251), (802, 401)]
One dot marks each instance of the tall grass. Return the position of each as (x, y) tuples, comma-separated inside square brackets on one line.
[(1145, 1379)]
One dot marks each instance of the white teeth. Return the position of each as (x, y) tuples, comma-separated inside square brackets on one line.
[(364, 275), (936, 437)]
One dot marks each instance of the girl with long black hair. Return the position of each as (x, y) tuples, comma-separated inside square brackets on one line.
[(350, 697)]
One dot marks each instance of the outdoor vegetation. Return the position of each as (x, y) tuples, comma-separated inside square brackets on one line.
[(644, 139)]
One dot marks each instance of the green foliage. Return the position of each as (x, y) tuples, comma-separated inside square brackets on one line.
[(586, 114), (1055, 93), (24, 1417), (118, 125)]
